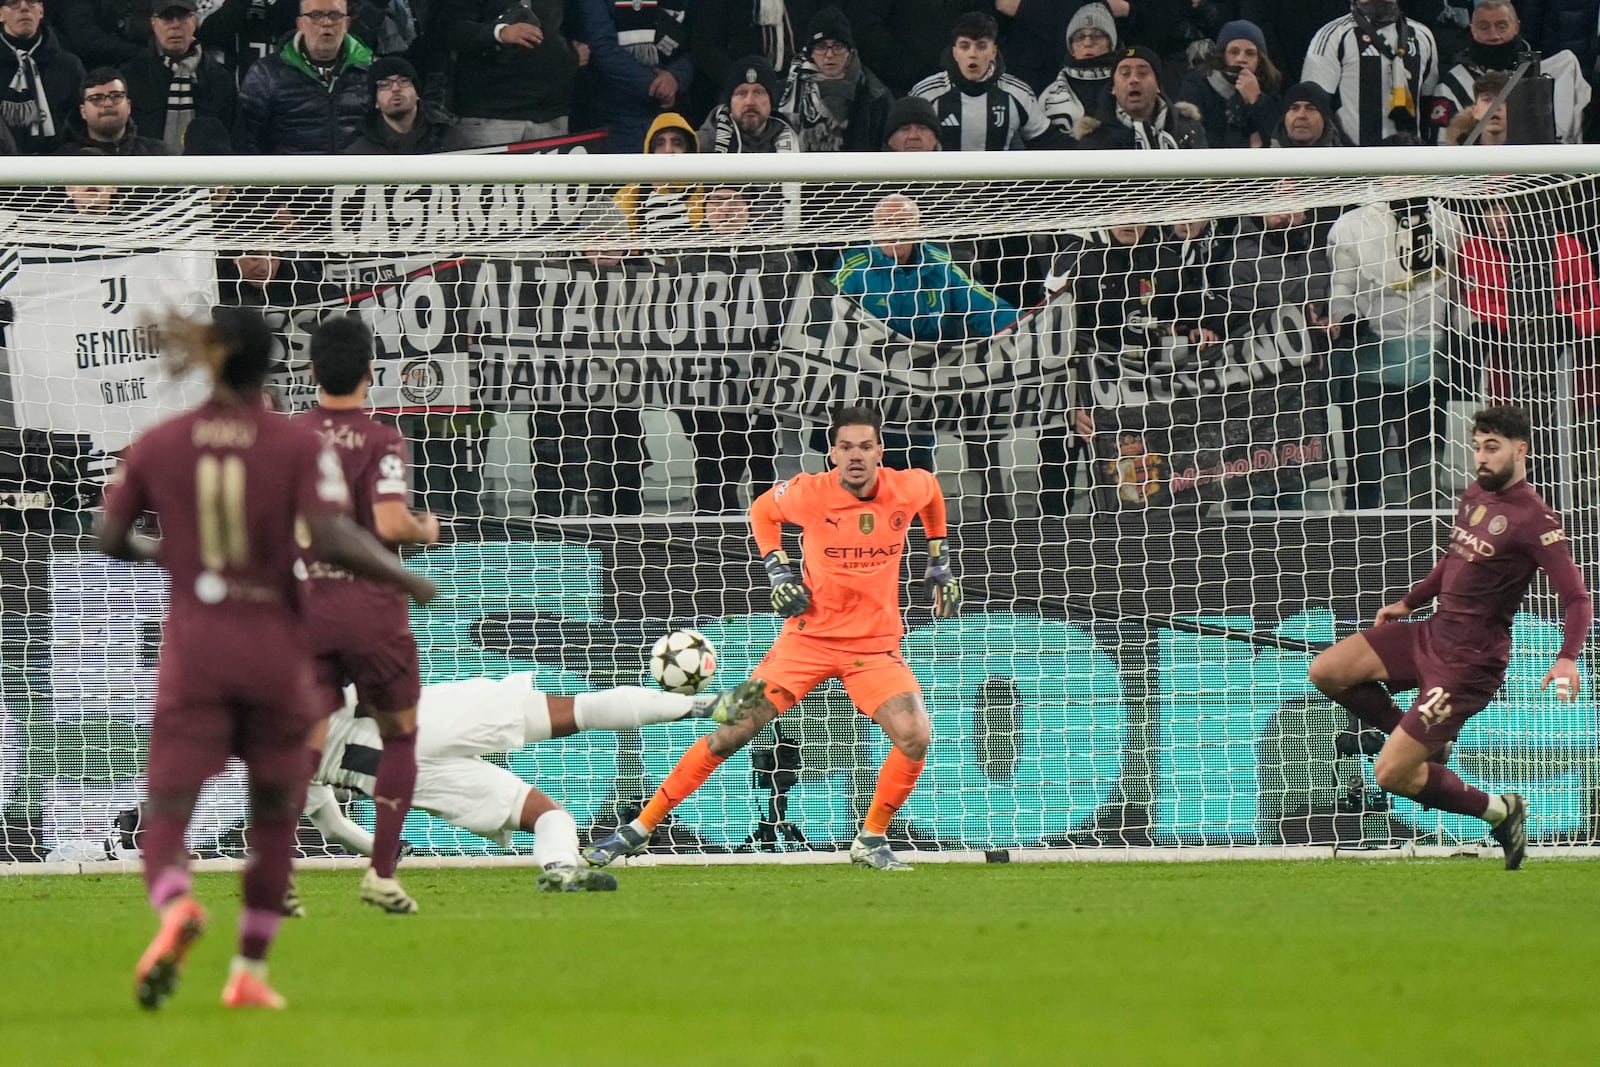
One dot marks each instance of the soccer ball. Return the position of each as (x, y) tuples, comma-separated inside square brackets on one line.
[(683, 662)]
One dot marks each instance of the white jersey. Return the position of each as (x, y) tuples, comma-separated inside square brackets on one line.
[(455, 720), (458, 723), (1361, 74)]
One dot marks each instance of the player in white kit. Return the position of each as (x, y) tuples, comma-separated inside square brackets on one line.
[(458, 723)]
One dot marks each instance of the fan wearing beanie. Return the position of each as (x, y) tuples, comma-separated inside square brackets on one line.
[(400, 123), (1136, 114), (829, 96), (1237, 89), (1084, 83), (747, 120), (1308, 120)]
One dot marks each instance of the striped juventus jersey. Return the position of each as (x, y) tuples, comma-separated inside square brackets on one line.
[(350, 755), (1361, 74), (651, 31), (1001, 117)]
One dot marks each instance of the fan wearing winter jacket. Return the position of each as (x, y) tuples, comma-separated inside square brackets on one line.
[(1137, 115), (1085, 80), (835, 102)]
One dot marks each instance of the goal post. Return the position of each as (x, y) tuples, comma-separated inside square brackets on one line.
[(1197, 414)]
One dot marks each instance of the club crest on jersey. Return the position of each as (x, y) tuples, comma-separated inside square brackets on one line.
[(1477, 515), (1497, 525), (867, 522), (898, 520)]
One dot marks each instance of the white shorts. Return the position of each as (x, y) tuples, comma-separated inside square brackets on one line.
[(460, 722), (473, 795), (475, 717)]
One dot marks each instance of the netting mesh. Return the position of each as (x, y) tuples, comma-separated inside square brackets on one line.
[(1190, 431)]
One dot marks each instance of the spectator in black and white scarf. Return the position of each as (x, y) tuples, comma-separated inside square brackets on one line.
[(38, 78), (176, 80), (1137, 115), (835, 102), (1379, 67), (746, 121), (1085, 79)]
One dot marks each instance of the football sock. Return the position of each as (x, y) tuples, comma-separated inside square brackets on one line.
[(396, 781), (690, 774), (162, 852), (1495, 813), (628, 707), (266, 878), (257, 928), (253, 966), (536, 719), (167, 886), (555, 839), (1446, 791), (1371, 703), (896, 779)]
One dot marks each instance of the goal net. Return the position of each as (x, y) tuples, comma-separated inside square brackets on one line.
[(1193, 424)]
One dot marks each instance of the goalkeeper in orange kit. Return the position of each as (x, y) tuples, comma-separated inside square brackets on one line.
[(844, 622)]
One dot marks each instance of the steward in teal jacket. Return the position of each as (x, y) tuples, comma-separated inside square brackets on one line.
[(928, 298)]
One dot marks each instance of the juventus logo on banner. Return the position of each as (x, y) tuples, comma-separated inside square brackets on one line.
[(116, 301)]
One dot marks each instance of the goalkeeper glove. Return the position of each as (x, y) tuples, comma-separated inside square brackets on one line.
[(790, 597), (942, 580)]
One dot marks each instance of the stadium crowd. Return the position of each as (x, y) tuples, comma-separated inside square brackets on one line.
[(310, 76), (133, 77)]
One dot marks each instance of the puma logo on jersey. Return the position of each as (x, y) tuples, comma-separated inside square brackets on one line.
[(831, 522), (392, 803)]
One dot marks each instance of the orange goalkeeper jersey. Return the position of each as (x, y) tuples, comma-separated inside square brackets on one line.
[(851, 549)]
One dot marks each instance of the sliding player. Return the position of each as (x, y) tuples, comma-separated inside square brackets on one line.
[(1456, 658), (360, 630), (226, 482), (843, 622), (458, 723)]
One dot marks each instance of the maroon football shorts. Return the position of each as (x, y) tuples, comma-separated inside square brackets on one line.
[(226, 691), (387, 674), (1451, 686)]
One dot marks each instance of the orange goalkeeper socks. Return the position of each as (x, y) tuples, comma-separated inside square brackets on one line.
[(693, 768), (896, 779)]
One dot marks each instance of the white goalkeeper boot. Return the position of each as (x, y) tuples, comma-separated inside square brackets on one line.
[(872, 850), (570, 878), (386, 893)]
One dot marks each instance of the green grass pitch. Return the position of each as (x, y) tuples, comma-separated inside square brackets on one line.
[(1424, 961)]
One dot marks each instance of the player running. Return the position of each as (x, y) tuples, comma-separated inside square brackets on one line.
[(458, 723), (226, 482), (361, 630), (1456, 658), (843, 622)]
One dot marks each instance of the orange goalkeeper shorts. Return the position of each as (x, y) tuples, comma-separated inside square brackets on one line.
[(798, 664)]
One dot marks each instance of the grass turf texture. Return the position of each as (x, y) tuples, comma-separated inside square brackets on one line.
[(1456, 961)]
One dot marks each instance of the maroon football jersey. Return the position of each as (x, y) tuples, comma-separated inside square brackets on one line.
[(373, 458), (1497, 542), (227, 483)]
